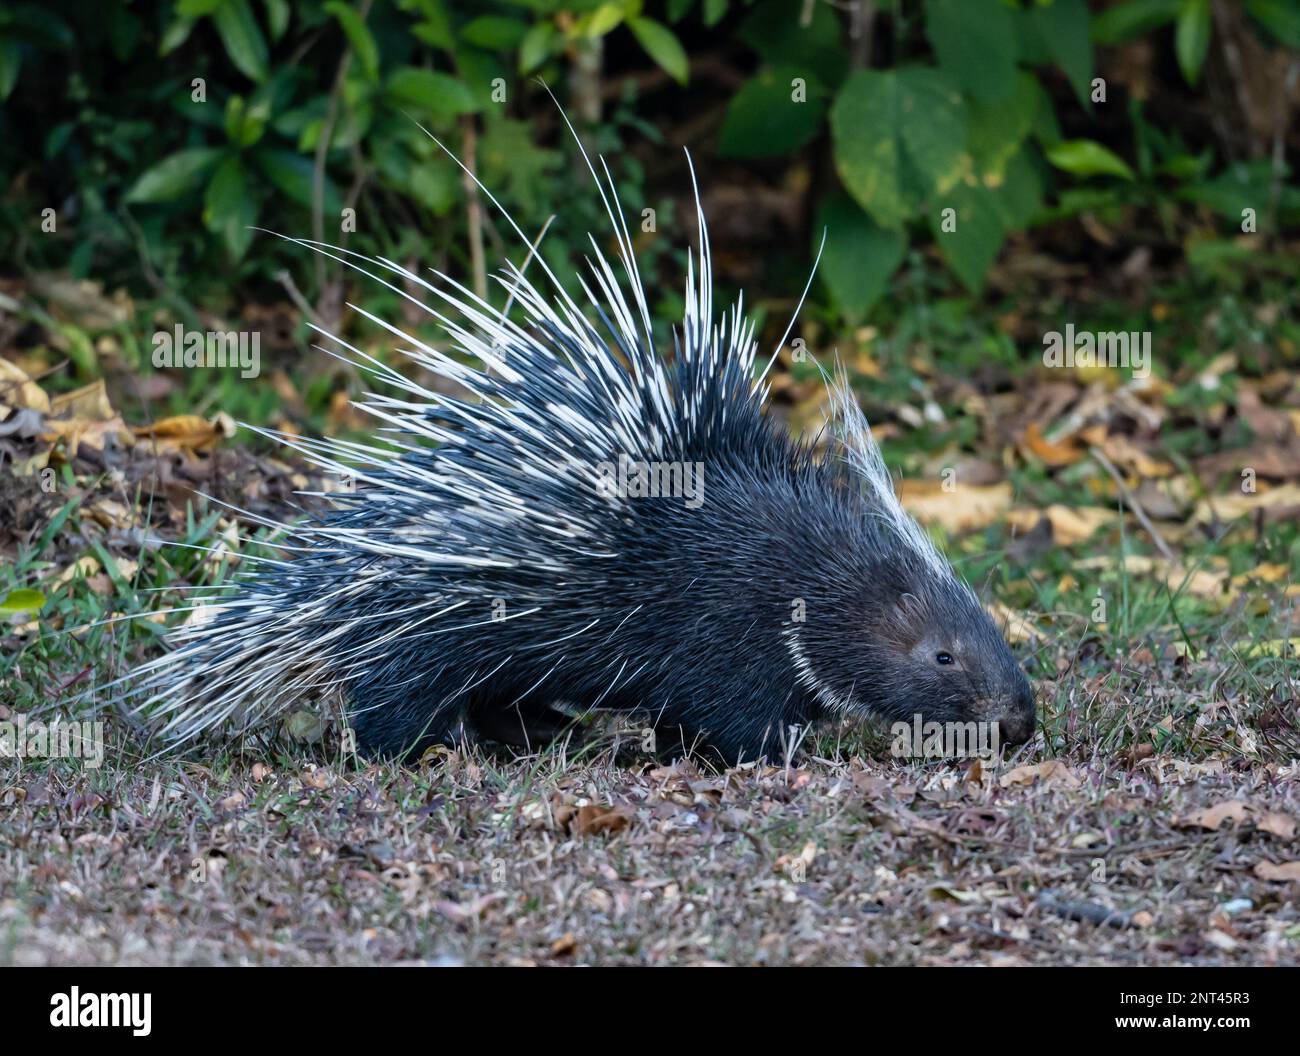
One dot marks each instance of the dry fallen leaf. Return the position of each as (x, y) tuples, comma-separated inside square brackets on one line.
[(1282, 871), (565, 946), (1052, 453), (592, 819), (1278, 824), (1052, 771), (94, 434), (89, 402), (961, 509), (1234, 810), (1014, 626), (1070, 524), (84, 567), (18, 390), (1280, 502), (187, 431)]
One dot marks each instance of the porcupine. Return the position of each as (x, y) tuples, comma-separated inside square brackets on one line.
[(485, 575)]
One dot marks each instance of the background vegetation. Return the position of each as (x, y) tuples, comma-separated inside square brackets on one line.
[(162, 132)]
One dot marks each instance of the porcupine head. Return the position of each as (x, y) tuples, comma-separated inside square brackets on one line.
[(885, 627)]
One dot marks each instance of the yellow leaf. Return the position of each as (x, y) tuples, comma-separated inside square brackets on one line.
[(960, 510)]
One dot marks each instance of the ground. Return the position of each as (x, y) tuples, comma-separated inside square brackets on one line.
[(1152, 820), (560, 858)]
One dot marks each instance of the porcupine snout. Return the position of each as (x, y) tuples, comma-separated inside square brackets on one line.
[(1016, 718)]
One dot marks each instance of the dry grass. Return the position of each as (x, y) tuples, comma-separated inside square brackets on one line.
[(592, 855)]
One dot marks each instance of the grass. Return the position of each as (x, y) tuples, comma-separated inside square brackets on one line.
[(275, 851), (1150, 821)]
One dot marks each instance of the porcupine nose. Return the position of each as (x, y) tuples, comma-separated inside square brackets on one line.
[(1016, 724)]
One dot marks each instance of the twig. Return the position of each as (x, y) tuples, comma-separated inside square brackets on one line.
[(473, 206), (1279, 141), (300, 302), (1087, 912), (1136, 507), (532, 252), (318, 168)]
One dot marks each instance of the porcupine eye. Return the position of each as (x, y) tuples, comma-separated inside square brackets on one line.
[(943, 659)]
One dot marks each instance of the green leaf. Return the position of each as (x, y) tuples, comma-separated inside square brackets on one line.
[(277, 17), (605, 19), (898, 136), (21, 601), (1244, 185), (124, 29), (1086, 157), (1047, 129), (1280, 17), (243, 38), (39, 25), (973, 243), (245, 124), (510, 158), (175, 35), (662, 45), (478, 70), (174, 176), (359, 36), (1064, 27), (228, 209), (1125, 21), (11, 61), (58, 138), (494, 32), (975, 42), (293, 175), (1018, 195), (435, 30), (868, 151), (786, 34), (765, 120), (538, 45), (437, 93), (1192, 38), (997, 130), (934, 124), (434, 186), (859, 256)]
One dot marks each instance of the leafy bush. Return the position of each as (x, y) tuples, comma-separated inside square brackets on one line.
[(162, 132)]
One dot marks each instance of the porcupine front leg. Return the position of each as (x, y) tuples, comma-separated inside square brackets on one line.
[(527, 724), (398, 715)]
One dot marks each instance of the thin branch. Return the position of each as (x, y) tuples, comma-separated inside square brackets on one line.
[(1132, 503), (322, 149), (473, 206)]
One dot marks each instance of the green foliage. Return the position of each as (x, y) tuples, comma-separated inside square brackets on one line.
[(858, 261), (772, 114), (171, 129)]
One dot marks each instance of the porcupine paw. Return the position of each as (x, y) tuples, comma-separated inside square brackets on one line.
[(406, 738), (519, 726)]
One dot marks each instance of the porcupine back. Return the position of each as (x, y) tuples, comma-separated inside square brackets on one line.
[(482, 572)]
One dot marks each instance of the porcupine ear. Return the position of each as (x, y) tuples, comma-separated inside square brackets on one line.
[(859, 451)]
